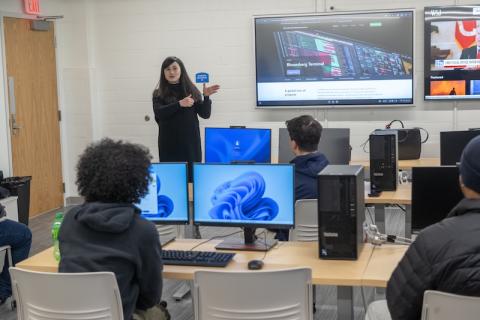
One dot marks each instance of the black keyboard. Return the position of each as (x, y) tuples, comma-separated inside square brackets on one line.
[(196, 258)]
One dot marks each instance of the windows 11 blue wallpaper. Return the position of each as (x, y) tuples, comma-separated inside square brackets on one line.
[(167, 198), (224, 145), (243, 194)]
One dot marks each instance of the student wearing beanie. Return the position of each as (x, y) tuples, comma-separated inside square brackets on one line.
[(444, 257)]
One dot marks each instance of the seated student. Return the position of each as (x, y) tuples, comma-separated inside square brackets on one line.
[(107, 233), (444, 257), (19, 238), (305, 133)]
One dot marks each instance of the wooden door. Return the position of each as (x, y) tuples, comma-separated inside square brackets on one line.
[(34, 124)]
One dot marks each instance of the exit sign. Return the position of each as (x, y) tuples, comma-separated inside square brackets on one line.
[(32, 6)]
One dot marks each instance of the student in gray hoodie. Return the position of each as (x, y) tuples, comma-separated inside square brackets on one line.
[(107, 233)]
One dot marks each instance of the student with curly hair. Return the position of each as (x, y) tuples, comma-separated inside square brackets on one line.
[(177, 103), (106, 232)]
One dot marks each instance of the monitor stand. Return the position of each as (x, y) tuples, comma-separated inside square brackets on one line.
[(250, 243)]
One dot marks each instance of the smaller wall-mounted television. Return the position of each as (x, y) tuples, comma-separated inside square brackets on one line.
[(452, 55)]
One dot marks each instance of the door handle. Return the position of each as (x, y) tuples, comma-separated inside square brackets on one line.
[(13, 108)]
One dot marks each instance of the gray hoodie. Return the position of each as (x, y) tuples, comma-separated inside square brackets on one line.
[(113, 237)]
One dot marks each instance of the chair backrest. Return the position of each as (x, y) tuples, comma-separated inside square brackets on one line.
[(272, 295), (5, 250), (306, 221), (68, 296), (439, 305)]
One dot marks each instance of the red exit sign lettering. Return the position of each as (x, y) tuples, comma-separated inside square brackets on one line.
[(32, 6)]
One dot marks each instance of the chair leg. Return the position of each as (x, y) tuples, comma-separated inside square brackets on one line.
[(314, 296), (182, 291)]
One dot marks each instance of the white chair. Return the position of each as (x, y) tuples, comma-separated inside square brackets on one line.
[(306, 221), (439, 305), (66, 296), (272, 295)]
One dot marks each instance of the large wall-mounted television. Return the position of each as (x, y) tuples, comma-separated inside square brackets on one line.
[(352, 58), (452, 57)]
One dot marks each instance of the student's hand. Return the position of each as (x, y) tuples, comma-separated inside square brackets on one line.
[(186, 102), (207, 91)]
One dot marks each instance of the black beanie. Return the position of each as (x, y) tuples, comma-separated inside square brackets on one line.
[(470, 165)]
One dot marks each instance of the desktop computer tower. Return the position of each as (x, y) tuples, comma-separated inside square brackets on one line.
[(341, 212), (383, 161)]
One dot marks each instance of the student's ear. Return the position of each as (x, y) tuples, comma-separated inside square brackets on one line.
[(293, 145)]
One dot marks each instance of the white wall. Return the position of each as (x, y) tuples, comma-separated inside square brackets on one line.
[(73, 71), (110, 52)]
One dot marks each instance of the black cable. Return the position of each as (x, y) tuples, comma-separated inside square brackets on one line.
[(216, 237), (403, 209), (426, 132), (393, 121), (364, 144), (265, 242)]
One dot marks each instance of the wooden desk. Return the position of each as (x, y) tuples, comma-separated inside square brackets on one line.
[(284, 255), (381, 265), (403, 196), (405, 164)]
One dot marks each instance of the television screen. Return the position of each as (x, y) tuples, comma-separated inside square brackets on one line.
[(243, 195), (167, 197), (452, 59), (225, 145), (360, 58)]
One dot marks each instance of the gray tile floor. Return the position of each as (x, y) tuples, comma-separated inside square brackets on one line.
[(183, 310)]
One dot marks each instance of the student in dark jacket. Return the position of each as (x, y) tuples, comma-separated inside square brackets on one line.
[(107, 233), (305, 133), (177, 103), (446, 255)]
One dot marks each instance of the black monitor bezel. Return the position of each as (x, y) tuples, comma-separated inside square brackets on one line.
[(238, 128), (248, 225), (445, 153), (416, 228), (170, 222)]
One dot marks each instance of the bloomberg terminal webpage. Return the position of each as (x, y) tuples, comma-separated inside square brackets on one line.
[(362, 58)]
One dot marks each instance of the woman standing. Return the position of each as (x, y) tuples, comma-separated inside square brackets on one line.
[(176, 104)]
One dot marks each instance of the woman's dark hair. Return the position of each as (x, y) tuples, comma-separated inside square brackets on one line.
[(164, 89), (305, 131), (113, 171)]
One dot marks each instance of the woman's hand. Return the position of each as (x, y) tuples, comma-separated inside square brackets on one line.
[(186, 102), (207, 91)]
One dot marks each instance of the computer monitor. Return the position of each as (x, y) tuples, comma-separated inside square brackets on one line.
[(435, 191), (167, 199), (226, 145), (246, 196), (452, 144), (334, 144)]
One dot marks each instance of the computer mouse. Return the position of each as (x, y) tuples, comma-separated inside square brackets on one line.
[(255, 264)]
